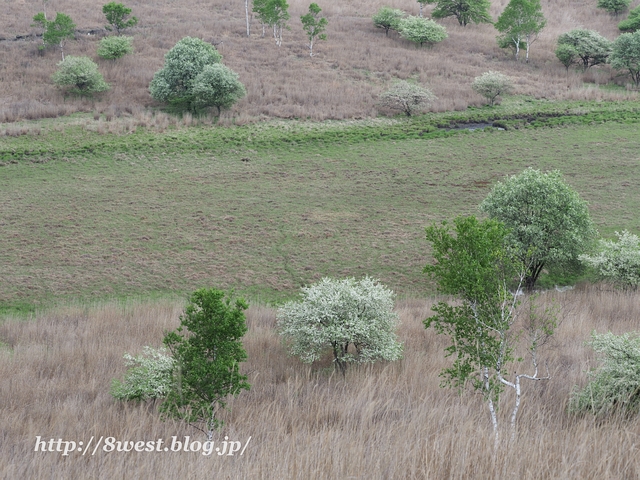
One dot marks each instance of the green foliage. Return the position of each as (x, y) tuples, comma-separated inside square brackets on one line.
[(406, 97), (476, 264), (520, 23), (492, 84), (335, 314), (174, 82), (549, 223), (274, 13), (388, 18), (422, 30), (465, 11), (590, 47), (217, 86), (567, 54), (314, 26), (56, 32), (207, 350), (117, 14), (615, 385), (632, 23), (614, 7), (112, 48), (617, 262), (625, 55), (80, 76), (148, 376)]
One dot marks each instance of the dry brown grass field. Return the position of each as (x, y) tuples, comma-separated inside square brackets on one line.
[(343, 80), (382, 422)]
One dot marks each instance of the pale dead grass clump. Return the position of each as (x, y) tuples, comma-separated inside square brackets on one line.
[(342, 81), (383, 421)]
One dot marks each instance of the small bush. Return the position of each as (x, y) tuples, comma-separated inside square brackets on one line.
[(79, 75), (406, 97), (492, 84), (336, 314), (148, 377), (422, 31), (388, 18), (614, 387), (112, 48), (614, 7), (617, 262)]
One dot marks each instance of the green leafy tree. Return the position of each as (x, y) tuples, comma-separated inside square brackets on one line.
[(388, 18), (614, 7), (421, 30), (112, 48), (314, 26), (56, 32), (491, 85), (475, 264), (549, 225), (407, 97), (617, 262), (465, 11), (591, 47), (148, 376), (217, 86), (207, 350), (353, 319), (117, 14), (614, 387), (80, 76), (174, 82), (632, 22), (567, 54), (274, 13), (520, 23), (625, 55)]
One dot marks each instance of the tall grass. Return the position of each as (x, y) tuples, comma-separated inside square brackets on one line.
[(383, 421), (343, 80)]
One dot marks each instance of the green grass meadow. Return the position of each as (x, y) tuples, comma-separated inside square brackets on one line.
[(267, 208)]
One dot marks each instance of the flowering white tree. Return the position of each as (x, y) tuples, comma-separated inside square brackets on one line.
[(617, 262), (148, 376), (354, 319), (492, 84)]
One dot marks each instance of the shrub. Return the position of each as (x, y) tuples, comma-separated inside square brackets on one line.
[(632, 23), (617, 262), (492, 84), (591, 47), (174, 82), (422, 30), (116, 14), (217, 86), (112, 48), (79, 75), (625, 55), (614, 7), (148, 377), (615, 385), (207, 350), (388, 18), (406, 97), (337, 314)]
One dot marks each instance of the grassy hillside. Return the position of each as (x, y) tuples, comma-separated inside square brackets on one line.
[(268, 208), (383, 422), (343, 80)]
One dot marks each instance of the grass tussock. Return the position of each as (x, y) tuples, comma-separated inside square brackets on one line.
[(343, 79), (384, 421)]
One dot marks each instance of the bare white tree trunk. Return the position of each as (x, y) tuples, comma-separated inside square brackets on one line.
[(246, 11)]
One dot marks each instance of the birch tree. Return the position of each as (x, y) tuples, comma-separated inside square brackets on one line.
[(275, 14), (474, 264), (314, 26), (520, 23)]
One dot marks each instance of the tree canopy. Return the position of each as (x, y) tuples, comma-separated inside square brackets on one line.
[(314, 25), (407, 97), (117, 14), (422, 31), (548, 222), (521, 22), (465, 11), (589, 46), (80, 76), (632, 22), (625, 55), (388, 18), (217, 86)]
